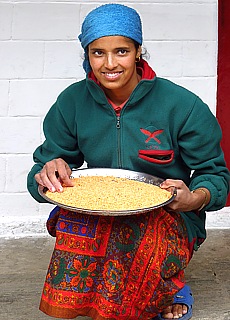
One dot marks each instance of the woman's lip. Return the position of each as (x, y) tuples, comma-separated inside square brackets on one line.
[(112, 75)]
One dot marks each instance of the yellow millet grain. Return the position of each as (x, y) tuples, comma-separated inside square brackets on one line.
[(110, 193)]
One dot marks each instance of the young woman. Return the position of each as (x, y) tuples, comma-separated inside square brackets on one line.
[(123, 116)]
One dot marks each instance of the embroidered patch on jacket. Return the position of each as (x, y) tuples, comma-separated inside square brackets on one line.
[(152, 135), (156, 148)]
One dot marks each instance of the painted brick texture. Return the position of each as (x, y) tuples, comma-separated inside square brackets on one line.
[(40, 56)]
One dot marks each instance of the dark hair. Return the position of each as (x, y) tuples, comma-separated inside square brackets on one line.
[(144, 52)]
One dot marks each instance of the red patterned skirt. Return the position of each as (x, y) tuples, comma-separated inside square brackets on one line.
[(126, 267)]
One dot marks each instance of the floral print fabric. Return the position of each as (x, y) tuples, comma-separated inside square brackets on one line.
[(124, 267)]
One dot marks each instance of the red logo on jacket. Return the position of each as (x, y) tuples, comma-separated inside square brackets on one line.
[(152, 135)]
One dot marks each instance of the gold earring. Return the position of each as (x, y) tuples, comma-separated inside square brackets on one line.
[(138, 59)]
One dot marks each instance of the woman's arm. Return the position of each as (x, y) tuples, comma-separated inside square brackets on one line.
[(199, 141), (59, 153)]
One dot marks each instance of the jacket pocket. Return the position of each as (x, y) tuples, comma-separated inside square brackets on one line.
[(157, 156)]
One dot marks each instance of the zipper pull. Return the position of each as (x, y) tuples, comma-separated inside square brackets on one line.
[(118, 123)]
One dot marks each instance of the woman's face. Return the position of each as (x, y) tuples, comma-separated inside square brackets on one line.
[(112, 60)]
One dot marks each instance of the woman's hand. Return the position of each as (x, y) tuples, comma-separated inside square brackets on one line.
[(54, 174), (185, 200)]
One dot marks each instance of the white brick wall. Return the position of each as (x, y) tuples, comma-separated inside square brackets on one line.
[(40, 56)]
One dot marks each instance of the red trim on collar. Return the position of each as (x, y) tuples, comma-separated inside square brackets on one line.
[(144, 69)]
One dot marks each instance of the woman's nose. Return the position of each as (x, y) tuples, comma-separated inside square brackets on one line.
[(110, 61)]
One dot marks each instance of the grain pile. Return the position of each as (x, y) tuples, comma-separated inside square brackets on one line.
[(110, 193)]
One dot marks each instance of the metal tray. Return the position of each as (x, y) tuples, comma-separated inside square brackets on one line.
[(121, 173)]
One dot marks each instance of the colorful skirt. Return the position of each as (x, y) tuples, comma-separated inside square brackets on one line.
[(125, 267)]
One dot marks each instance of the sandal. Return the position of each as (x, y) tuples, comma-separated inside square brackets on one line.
[(184, 296)]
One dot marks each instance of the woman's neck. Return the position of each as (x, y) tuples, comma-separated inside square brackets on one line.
[(119, 96)]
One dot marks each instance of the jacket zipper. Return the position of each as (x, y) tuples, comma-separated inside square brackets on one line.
[(118, 122), (118, 126)]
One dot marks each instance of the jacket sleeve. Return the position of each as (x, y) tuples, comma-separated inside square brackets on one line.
[(199, 141), (60, 142)]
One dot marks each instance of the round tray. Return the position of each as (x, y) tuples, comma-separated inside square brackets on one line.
[(120, 173)]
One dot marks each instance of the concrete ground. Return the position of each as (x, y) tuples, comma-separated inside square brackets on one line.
[(23, 265)]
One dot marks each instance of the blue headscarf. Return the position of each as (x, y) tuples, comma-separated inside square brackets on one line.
[(109, 20)]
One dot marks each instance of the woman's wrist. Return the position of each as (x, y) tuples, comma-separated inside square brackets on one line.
[(203, 199)]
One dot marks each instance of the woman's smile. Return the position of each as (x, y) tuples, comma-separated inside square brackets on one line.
[(112, 75)]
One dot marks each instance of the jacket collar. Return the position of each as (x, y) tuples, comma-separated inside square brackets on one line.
[(148, 77)]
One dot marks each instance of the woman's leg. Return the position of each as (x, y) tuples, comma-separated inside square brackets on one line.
[(115, 267)]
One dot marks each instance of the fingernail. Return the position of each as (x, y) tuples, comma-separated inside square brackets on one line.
[(52, 189), (60, 189)]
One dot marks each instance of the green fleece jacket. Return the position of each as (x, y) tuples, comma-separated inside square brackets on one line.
[(163, 130)]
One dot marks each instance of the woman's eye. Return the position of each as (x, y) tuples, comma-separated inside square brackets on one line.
[(122, 51), (97, 53)]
